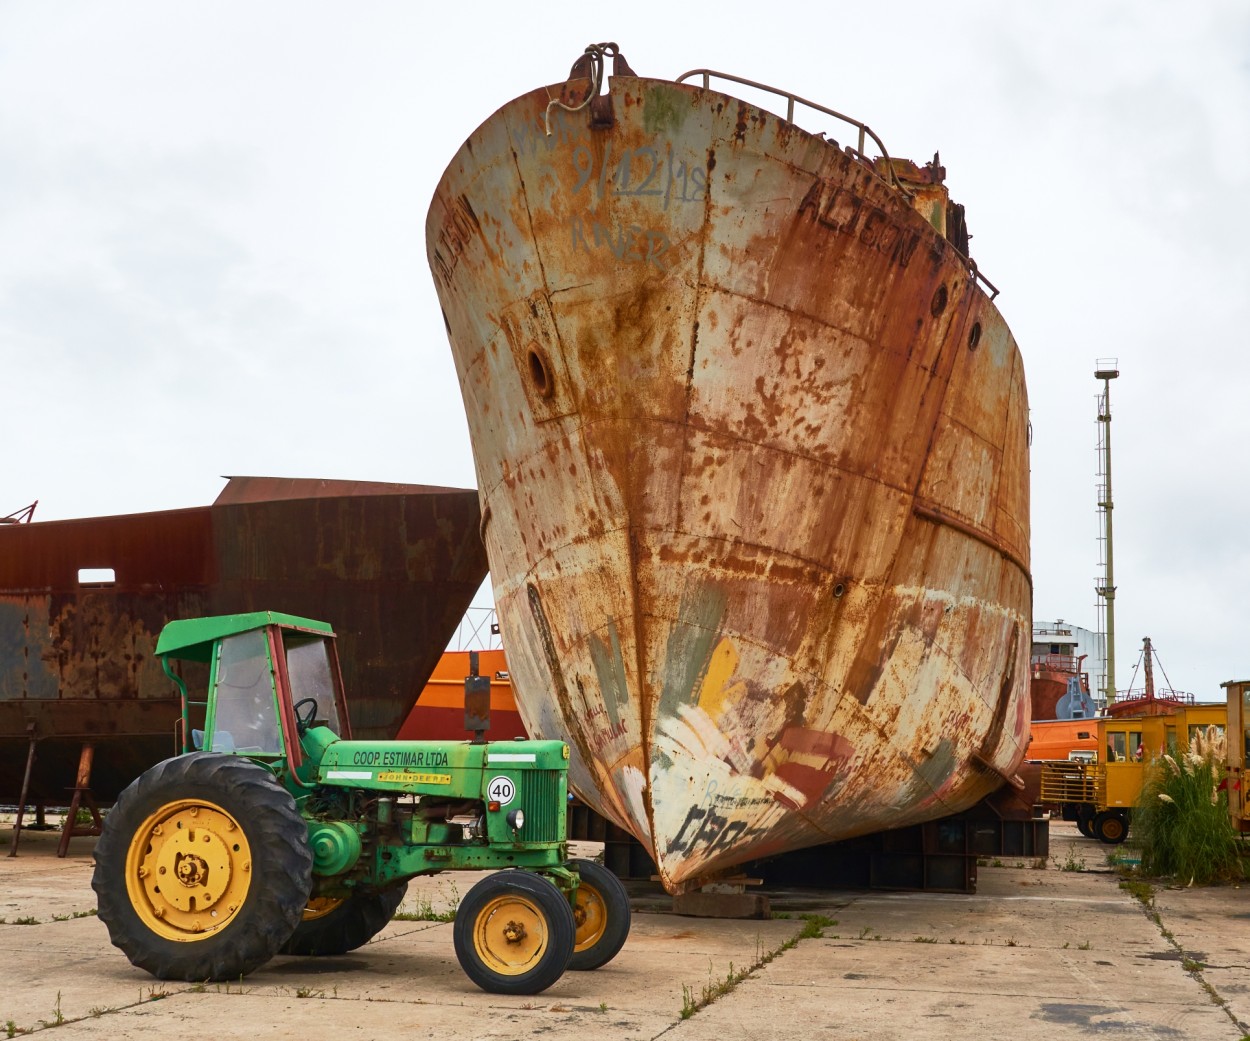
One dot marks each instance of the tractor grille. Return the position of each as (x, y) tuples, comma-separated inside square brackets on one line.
[(542, 799)]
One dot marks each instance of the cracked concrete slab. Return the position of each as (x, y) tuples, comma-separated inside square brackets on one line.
[(1051, 949)]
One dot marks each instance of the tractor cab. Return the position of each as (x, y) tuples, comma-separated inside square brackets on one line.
[(271, 677)]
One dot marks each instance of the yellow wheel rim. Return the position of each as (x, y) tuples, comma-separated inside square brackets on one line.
[(1113, 827), (510, 935), (188, 870), (320, 906), (590, 914)]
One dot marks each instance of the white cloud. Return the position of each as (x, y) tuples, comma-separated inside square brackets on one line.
[(212, 257)]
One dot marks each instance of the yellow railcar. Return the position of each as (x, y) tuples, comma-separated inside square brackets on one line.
[(1100, 795)]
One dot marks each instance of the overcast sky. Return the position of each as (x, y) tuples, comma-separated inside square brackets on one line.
[(212, 257)]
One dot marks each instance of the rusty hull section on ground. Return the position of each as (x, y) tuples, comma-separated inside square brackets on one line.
[(751, 447), (392, 566)]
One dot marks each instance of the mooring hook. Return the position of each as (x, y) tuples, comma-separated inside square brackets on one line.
[(593, 55)]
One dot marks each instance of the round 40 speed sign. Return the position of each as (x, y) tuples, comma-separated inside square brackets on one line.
[(501, 790)]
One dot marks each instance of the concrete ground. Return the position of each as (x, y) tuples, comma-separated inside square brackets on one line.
[(1051, 950)]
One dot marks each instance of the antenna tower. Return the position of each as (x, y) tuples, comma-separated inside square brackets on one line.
[(1107, 369)]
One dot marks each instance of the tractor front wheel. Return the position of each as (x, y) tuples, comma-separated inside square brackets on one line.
[(332, 927), (601, 914), (514, 933), (203, 869), (1110, 827)]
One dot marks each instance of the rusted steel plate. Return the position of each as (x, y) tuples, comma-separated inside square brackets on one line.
[(392, 567), (751, 448)]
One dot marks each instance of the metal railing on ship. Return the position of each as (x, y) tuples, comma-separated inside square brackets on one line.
[(865, 133), (793, 99)]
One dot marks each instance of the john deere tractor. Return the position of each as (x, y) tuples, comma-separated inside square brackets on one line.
[(280, 834)]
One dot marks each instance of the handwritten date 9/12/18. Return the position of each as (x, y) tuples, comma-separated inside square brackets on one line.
[(640, 172)]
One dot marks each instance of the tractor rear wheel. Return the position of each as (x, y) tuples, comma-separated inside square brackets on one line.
[(601, 914), (514, 933), (331, 927), (203, 869), (1110, 827), (1085, 821)]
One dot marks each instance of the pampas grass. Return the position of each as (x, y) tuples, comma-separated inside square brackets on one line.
[(1182, 820)]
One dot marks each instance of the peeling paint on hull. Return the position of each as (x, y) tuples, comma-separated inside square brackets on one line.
[(751, 447)]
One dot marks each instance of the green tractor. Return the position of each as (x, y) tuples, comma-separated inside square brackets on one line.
[(280, 834)]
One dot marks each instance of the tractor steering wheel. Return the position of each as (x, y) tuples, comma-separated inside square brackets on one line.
[(305, 720)]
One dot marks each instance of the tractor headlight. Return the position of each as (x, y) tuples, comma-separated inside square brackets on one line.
[(516, 819)]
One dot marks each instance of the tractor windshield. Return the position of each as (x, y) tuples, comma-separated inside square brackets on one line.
[(308, 668), (245, 718)]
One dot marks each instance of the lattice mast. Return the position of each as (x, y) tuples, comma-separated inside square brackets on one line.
[(1107, 370)]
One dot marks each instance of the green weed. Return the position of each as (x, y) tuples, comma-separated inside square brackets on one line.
[(1071, 863), (1138, 889), (58, 1017), (814, 926), (425, 909), (75, 914)]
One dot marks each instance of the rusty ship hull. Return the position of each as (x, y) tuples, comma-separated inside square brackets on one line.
[(751, 445), (392, 566)]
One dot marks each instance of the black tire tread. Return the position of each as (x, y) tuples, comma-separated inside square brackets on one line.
[(352, 924), (1101, 820), (281, 867), (616, 902), (560, 921)]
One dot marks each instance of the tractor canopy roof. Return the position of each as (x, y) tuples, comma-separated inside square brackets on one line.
[(192, 638)]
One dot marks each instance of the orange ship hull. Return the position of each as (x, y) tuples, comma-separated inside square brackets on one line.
[(1059, 738), (439, 710)]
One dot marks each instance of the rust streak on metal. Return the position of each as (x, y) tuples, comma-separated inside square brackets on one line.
[(391, 566), (931, 513), (753, 445)]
